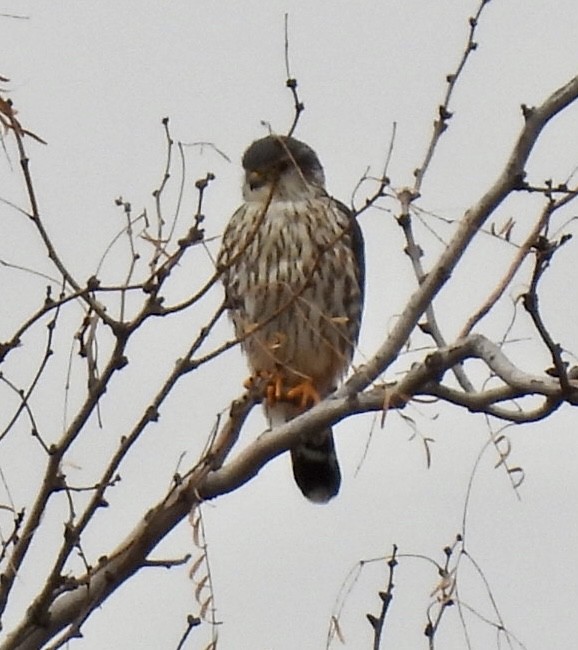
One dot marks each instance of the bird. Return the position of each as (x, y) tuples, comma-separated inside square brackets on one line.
[(292, 264)]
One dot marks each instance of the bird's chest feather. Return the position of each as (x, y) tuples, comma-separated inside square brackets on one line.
[(289, 246), (290, 279)]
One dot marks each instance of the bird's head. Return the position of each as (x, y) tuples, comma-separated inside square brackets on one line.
[(282, 168)]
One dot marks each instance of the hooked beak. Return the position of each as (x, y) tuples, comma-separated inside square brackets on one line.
[(255, 179)]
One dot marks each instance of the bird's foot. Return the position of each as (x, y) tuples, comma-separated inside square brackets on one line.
[(271, 384), (304, 395)]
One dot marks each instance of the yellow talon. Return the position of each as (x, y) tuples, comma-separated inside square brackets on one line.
[(273, 389), (304, 394)]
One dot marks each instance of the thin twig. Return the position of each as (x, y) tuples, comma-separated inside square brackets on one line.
[(545, 249), (192, 622), (444, 113), (517, 261), (291, 83), (377, 622)]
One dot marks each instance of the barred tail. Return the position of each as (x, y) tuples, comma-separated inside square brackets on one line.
[(315, 467)]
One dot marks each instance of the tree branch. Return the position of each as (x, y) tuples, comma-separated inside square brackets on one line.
[(82, 595), (509, 180)]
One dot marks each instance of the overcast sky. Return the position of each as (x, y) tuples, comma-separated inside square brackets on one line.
[(94, 80)]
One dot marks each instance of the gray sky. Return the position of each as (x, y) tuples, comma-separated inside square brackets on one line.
[(94, 80)]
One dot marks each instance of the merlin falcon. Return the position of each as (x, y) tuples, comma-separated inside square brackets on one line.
[(293, 270)]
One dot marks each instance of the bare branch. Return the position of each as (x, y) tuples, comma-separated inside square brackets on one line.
[(520, 256), (291, 83), (545, 249), (444, 113), (509, 180), (377, 622)]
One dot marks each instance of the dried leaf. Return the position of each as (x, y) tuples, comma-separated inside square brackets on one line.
[(205, 607), (336, 629), (196, 564), (199, 588), (503, 453), (197, 533), (426, 442), (517, 481)]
